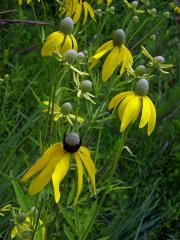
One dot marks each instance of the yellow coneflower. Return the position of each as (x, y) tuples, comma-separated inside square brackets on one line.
[(119, 54), (55, 163), (60, 41), (73, 8), (130, 105), (23, 228), (133, 6), (63, 112), (157, 62)]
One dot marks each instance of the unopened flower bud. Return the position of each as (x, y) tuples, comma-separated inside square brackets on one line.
[(118, 37), (70, 56), (160, 59), (140, 70), (80, 56), (153, 37), (152, 11), (98, 11), (21, 217), (166, 14), (142, 87), (135, 19), (66, 108), (112, 8), (67, 25), (134, 4), (72, 142), (86, 86)]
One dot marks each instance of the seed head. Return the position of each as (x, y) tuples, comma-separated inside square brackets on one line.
[(142, 87), (67, 25), (140, 70), (66, 108), (72, 142), (70, 56), (118, 37), (160, 59), (86, 86)]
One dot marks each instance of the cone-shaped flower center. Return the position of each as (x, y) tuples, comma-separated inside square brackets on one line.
[(118, 37), (72, 142), (70, 56), (160, 59), (21, 217), (67, 25), (66, 108), (86, 86), (142, 87), (80, 56)]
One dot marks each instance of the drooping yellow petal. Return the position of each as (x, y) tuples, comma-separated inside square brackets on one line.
[(14, 232), (79, 119), (45, 176), (118, 98), (80, 176), (78, 10), (59, 173), (53, 41), (66, 45), (74, 43), (57, 117), (130, 112), (89, 165), (146, 111), (152, 117), (106, 47), (42, 162), (87, 8), (145, 53), (127, 60), (20, 2), (123, 105), (110, 63)]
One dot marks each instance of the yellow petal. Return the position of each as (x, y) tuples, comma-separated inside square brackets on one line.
[(110, 63), (74, 43), (130, 112), (89, 165), (57, 117), (59, 173), (123, 105), (80, 176), (146, 111), (118, 98), (20, 2), (44, 177), (127, 60), (87, 8), (78, 10), (54, 40), (43, 161), (66, 45), (14, 232), (145, 52), (106, 47), (152, 118)]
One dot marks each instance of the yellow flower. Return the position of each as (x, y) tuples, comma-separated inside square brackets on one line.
[(101, 1), (24, 229), (157, 62), (20, 2), (119, 54), (133, 6), (63, 112), (130, 105), (55, 163), (60, 41), (73, 8)]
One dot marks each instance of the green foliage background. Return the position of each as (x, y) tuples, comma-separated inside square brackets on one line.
[(147, 205)]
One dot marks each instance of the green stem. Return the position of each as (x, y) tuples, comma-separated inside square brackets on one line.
[(37, 220)]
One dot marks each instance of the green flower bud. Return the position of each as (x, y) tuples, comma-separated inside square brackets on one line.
[(98, 11), (21, 217), (135, 19), (80, 56), (153, 37), (86, 86), (70, 56), (134, 4), (142, 87), (153, 11), (112, 8), (166, 14), (67, 25), (118, 37), (160, 59), (140, 70), (66, 108)]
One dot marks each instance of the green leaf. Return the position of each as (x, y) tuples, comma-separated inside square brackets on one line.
[(68, 234)]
